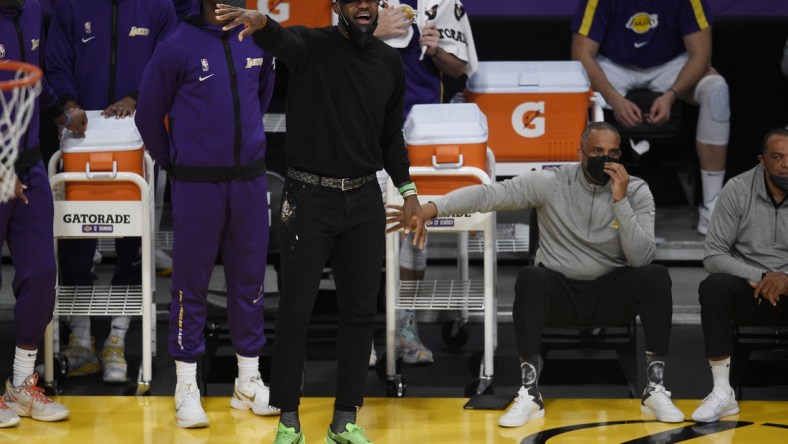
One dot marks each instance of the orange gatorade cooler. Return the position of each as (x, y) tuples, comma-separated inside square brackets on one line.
[(446, 136), (110, 145), (536, 110)]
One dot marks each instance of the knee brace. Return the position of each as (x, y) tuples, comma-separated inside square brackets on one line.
[(714, 116)]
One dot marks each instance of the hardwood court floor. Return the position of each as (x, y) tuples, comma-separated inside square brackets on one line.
[(117, 419)]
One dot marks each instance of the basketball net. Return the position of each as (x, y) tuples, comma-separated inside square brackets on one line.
[(20, 86)]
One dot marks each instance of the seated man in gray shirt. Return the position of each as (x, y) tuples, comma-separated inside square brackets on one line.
[(593, 266), (747, 256)]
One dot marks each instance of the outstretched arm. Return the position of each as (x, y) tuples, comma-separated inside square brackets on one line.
[(251, 20), (411, 217)]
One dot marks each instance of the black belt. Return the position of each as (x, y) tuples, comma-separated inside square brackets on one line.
[(330, 182), (246, 171), (27, 159)]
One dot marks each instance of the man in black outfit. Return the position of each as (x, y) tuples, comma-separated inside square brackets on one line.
[(344, 120)]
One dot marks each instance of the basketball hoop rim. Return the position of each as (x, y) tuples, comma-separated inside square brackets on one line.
[(30, 80)]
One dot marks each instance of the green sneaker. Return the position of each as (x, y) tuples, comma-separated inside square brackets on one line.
[(353, 435), (288, 435)]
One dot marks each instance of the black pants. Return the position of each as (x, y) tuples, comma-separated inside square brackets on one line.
[(546, 298), (726, 299), (346, 228)]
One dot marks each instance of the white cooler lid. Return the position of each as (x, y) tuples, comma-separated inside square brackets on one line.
[(445, 123), (529, 77), (103, 135)]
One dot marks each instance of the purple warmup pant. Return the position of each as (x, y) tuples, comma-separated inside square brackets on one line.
[(28, 231), (231, 217)]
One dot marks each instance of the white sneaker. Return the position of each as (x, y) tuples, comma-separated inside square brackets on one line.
[(525, 408), (720, 402), (188, 409), (163, 263), (656, 402), (373, 357), (113, 360), (7, 416), (705, 211), (29, 400), (252, 394), (81, 361)]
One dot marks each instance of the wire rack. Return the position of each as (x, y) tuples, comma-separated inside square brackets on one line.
[(99, 300), (441, 295)]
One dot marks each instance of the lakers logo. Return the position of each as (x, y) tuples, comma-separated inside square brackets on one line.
[(528, 119), (135, 31), (643, 22), (252, 62)]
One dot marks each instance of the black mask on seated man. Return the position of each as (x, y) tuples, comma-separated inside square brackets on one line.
[(595, 167)]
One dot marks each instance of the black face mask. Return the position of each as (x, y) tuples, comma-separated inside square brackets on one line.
[(359, 35), (780, 182), (595, 167)]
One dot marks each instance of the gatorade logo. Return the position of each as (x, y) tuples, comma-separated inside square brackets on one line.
[(528, 119), (279, 10)]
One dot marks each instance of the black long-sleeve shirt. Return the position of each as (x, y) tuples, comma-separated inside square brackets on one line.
[(344, 103)]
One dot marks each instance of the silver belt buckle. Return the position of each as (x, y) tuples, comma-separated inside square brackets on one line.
[(342, 184)]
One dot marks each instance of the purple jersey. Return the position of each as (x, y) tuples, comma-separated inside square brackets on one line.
[(96, 63), (214, 90), (641, 33)]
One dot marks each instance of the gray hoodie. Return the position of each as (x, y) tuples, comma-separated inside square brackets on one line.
[(583, 234), (747, 234)]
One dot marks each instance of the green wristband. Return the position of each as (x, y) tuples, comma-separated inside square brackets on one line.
[(407, 187)]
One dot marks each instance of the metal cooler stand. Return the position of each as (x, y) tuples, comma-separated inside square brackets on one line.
[(132, 300), (461, 294)]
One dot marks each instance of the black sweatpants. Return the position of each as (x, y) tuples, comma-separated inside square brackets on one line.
[(547, 298), (726, 299)]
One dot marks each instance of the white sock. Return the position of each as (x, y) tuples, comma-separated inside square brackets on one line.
[(248, 367), (24, 362), (120, 326), (720, 372), (186, 372), (712, 184), (80, 327)]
